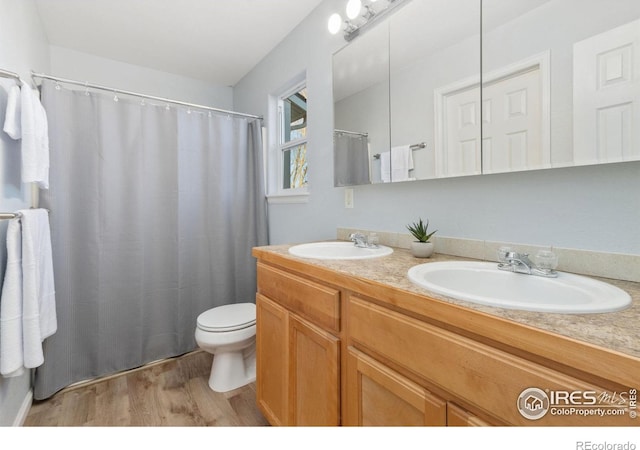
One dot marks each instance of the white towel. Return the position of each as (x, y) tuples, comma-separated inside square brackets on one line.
[(35, 139), (385, 167), (11, 353), (401, 163), (28, 306), (12, 114), (39, 320)]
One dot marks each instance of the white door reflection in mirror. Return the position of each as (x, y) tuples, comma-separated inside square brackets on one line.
[(606, 96), (457, 134), (515, 116), (591, 92)]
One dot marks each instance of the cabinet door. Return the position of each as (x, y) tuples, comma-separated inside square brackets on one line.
[(271, 360), (314, 375), (379, 396), (458, 417)]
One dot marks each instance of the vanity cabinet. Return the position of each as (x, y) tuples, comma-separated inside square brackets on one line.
[(466, 370), (337, 349), (379, 396), (298, 350)]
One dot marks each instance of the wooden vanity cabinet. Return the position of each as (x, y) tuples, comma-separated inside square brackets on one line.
[(379, 396), (467, 370), (298, 350), (458, 417), (337, 350)]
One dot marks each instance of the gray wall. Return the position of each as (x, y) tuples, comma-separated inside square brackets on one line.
[(23, 47), (594, 208)]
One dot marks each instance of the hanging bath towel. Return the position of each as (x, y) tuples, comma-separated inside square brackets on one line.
[(28, 306), (11, 350), (38, 292), (35, 139), (13, 111)]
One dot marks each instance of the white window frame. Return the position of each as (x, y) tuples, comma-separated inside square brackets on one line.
[(275, 153)]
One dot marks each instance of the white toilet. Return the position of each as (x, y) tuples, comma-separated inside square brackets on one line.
[(229, 333)]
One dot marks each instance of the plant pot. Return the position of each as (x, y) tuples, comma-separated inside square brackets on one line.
[(421, 249)]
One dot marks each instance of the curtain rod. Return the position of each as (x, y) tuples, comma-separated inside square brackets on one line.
[(137, 94), (8, 74)]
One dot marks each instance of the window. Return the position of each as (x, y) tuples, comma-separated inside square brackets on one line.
[(286, 143), (292, 142)]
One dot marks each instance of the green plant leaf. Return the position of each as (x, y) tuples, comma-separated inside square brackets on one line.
[(419, 230)]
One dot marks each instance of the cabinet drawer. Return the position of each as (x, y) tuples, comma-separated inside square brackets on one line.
[(488, 378), (320, 304)]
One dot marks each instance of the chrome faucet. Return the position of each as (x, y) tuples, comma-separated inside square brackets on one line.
[(361, 241), (358, 239), (520, 263)]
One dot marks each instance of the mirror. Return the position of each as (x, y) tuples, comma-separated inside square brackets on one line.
[(361, 107), (435, 89), (560, 88)]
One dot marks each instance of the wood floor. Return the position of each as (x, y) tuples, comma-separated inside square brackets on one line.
[(171, 393)]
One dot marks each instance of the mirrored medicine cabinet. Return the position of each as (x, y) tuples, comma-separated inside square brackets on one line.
[(447, 88)]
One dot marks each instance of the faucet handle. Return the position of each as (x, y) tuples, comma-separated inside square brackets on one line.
[(503, 253), (546, 260)]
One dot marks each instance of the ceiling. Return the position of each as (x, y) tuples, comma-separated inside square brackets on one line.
[(218, 41)]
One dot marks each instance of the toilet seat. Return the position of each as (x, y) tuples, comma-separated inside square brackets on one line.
[(228, 317)]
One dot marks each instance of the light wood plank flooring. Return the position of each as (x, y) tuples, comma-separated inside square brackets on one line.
[(170, 393)]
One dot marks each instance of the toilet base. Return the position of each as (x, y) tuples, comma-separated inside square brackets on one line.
[(232, 370)]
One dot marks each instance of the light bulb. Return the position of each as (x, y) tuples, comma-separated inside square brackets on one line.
[(353, 8), (334, 23)]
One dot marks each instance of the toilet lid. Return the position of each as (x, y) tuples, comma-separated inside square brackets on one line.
[(228, 317)]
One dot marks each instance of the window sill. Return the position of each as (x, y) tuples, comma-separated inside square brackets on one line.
[(288, 198)]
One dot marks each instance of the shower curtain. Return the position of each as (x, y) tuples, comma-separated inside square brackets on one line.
[(154, 211), (350, 159)]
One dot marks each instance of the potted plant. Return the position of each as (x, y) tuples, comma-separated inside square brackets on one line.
[(421, 248)]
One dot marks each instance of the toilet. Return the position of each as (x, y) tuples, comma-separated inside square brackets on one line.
[(229, 333)]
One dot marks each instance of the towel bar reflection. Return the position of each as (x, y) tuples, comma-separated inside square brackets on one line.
[(412, 147), (9, 216)]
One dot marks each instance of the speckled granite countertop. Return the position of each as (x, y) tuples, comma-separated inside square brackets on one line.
[(619, 331)]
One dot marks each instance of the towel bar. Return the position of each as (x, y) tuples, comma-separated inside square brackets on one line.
[(8, 216), (412, 147)]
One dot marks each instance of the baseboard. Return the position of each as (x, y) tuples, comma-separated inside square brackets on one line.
[(24, 409)]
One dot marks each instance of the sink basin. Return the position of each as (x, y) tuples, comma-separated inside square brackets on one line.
[(338, 250), (484, 283)]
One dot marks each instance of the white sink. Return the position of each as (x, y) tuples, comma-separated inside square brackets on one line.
[(484, 283), (338, 250)]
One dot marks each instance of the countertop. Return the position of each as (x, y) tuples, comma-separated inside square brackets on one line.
[(618, 331)]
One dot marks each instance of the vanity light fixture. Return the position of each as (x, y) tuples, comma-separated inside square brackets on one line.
[(357, 19)]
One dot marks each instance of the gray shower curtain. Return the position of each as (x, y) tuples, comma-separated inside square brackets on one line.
[(154, 212)]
